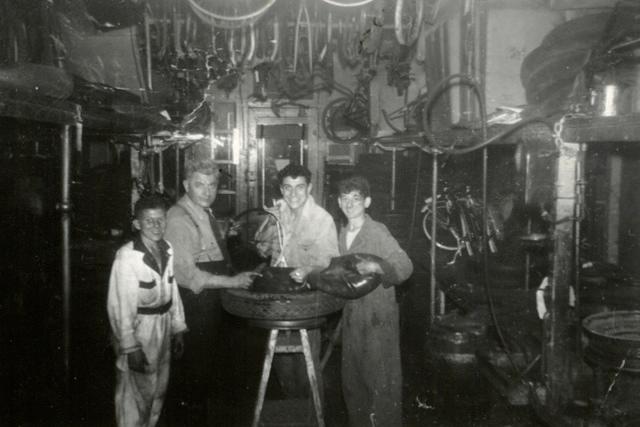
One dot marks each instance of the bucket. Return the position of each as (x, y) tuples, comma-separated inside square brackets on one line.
[(614, 340)]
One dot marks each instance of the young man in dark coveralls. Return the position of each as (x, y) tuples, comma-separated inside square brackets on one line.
[(371, 371), (202, 268)]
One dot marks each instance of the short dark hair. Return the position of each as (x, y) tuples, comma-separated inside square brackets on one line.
[(354, 183), (294, 170), (148, 202), (203, 166)]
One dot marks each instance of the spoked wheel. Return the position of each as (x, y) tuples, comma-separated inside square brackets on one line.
[(241, 244), (445, 234)]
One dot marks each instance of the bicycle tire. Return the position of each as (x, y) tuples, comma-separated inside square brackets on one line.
[(443, 226), (468, 231), (279, 306), (330, 116), (474, 224)]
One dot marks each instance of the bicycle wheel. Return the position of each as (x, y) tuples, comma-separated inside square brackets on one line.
[(336, 124), (445, 234), (474, 228)]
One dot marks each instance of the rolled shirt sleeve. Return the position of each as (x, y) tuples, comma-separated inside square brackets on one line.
[(178, 323), (184, 238)]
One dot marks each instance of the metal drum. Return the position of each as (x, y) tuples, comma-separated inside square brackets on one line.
[(451, 361), (614, 338), (275, 297), (455, 338)]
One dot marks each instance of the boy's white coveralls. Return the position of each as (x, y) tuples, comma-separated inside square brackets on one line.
[(145, 310)]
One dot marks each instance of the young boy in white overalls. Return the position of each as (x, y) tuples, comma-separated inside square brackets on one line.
[(146, 317)]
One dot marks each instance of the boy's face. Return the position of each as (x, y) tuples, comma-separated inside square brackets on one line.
[(353, 204), (151, 223), (295, 191)]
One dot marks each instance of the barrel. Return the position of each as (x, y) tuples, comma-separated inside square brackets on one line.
[(613, 338)]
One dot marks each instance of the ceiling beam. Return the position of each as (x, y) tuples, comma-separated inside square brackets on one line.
[(581, 4)]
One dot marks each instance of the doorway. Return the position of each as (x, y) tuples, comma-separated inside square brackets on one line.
[(278, 146), (273, 143)]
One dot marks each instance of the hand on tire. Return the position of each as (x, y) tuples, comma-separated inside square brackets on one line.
[(242, 280)]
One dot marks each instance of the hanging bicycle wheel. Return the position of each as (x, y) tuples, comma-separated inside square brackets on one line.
[(445, 237), (240, 239), (338, 122)]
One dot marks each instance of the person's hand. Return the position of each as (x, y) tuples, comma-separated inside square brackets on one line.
[(299, 274), (177, 345), (368, 267), (277, 208), (137, 361), (264, 249), (242, 280), (233, 228)]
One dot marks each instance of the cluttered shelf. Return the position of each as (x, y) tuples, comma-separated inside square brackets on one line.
[(462, 137), (602, 129)]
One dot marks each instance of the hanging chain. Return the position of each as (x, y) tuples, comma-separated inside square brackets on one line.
[(558, 127)]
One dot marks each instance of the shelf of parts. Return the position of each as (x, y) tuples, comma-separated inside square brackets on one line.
[(596, 129)]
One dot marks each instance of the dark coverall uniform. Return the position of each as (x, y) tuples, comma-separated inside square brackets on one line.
[(199, 252), (371, 370)]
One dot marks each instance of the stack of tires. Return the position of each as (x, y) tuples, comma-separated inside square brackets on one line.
[(548, 72)]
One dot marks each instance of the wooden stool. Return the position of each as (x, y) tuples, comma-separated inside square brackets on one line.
[(299, 326)]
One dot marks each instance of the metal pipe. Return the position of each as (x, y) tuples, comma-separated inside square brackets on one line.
[(261, 148), (485, 212), (147, 43), (432, 272), (301, 144), (393, 179), (78, 147), (580, 203), (177, 172), (416, 192), (301, 151), (160, 172), (527, 255), (65, 225), (212, 134), (150, 169), (177, 42)]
